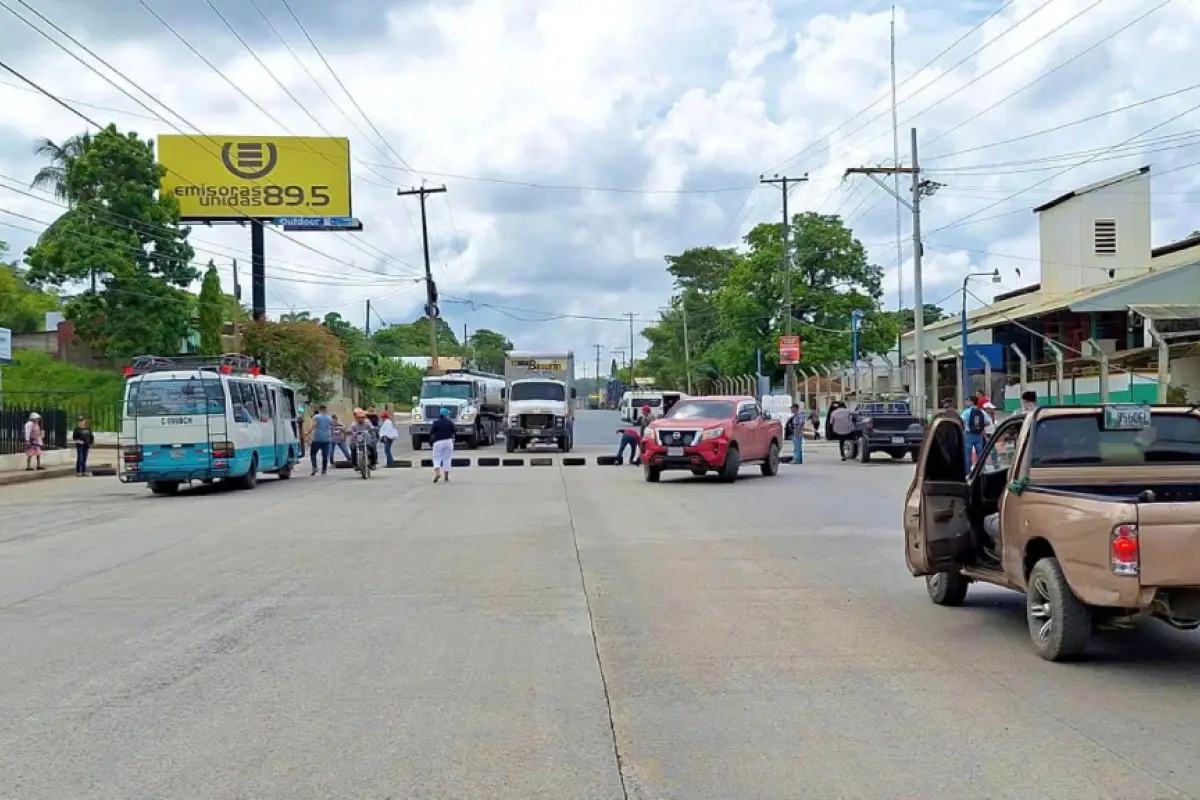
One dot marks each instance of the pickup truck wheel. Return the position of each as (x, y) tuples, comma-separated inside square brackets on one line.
[(416, 442), (864, 451), (947, 588), (915, 453), (770, 466), (733, 462), (510, 444), (1060, 625), (652, 473)]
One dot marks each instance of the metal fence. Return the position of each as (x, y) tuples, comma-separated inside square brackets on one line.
[(59, 412)]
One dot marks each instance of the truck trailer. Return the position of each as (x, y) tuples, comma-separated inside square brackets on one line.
[(541, 400)]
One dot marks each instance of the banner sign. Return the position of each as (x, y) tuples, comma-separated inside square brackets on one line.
[(789, 349)]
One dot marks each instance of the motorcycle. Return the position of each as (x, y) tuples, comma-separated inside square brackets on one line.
[(362, 455)]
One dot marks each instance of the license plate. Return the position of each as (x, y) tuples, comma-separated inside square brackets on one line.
[(897, 440), (674, 451), (177, 454)]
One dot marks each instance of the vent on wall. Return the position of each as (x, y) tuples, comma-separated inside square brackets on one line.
[(1106, 237)]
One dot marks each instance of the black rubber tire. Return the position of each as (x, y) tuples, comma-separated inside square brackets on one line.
[(416, 443), (510, 444), (164, 487), (733, 461), (652, 473), (250, 479), (947, 588), (285, 472), (1070, 620), (864, 451), (473, 441), (915, 453), (770, 467)]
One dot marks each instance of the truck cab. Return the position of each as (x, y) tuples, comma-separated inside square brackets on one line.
[(539, 411), (474, 400)]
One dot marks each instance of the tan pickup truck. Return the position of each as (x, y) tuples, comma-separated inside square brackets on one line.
[(1093, 512)]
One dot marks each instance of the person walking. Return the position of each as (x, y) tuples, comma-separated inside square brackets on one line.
[(33, 442), (794, 430), (84, 439), (814, 419), (388, 436), (974, 426), (322, 439), (841, 426), (338, 440), (441, 434)]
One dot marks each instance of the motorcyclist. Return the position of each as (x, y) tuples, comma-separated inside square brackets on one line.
[(362, 427)]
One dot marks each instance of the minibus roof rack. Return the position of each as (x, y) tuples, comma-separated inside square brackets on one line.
[(226, 364)]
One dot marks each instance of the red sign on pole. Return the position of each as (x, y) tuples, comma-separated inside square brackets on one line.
[(789, 349)]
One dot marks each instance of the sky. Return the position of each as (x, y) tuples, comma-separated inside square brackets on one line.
[(580, 143)]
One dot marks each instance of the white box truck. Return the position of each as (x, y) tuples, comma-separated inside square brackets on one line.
[(540, 392)]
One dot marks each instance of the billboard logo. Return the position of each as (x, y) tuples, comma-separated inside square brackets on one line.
[(250, 160)]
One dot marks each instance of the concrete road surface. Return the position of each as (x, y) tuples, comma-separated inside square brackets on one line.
[(566, 634)]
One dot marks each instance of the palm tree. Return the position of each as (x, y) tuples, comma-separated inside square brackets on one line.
[(53, 176), (294, 316)]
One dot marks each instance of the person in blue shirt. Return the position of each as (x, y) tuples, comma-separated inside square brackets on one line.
[(975, 423), (322, 439)]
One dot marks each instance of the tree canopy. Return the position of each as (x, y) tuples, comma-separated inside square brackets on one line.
[(732, 303), (22, 307), (123, 236)]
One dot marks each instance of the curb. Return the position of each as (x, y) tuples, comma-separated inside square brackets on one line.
[(15, 478)]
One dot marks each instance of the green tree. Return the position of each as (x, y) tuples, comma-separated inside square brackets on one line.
[(488, 349), (413, 339), (302, 352), (121, 231), (905, 317), (22, 307), (53, 176), (212, 308)]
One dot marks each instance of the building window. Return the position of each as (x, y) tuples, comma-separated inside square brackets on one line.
[(1106, 237)]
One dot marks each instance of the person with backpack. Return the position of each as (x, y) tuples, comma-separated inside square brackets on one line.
[(975, 423)]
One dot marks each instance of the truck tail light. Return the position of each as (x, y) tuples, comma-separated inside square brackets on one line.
[(1126, 553), (132, 454)]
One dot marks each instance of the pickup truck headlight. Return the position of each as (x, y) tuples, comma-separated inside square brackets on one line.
[(712, 433)]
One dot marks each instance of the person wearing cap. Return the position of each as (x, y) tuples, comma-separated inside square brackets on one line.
[(441, 434), (84, 439), (363, 427), (388, 435), (33, 441), (794, 430)]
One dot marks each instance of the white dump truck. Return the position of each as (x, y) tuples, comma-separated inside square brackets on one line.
[(474, 399), (541, 395)]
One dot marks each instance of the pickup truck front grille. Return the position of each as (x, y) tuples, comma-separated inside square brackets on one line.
[(537, 421), (674, 438)]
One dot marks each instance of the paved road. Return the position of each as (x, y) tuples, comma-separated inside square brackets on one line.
[(566, 634)]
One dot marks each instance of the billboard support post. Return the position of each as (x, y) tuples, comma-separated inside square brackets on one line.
[(258, 270)]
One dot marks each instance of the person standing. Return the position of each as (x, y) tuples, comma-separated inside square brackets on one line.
[(841, 426), (441, 434), (33, 442), (814, 419), (974, 426), (322, 439), (388, 436), (84, 439), (338, 440), (794, 430), (373, 416)]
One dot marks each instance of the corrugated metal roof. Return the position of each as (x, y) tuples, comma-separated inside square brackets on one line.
[(1091, 187), (1167, 311)]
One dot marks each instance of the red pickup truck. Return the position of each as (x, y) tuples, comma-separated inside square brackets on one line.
[(712, 434)]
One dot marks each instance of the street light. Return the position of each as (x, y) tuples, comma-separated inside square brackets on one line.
[(995, 276)]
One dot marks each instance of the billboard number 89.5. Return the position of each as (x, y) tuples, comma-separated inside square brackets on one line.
[(316, 196)]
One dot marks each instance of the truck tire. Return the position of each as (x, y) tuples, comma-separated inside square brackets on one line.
[(864, 450), (916, 454), (473, 439), (770, 466), (1060, 625), (947, 588), (733, 461), (652, 473), (510, 444), (416, 442)]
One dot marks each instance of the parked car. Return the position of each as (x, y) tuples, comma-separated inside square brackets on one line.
[(712, 434), (1093, 512), (888, 426)]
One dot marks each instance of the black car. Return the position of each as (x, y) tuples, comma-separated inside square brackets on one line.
[(887, 426)]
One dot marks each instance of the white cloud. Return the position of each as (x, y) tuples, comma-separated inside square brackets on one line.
[(663, 95)]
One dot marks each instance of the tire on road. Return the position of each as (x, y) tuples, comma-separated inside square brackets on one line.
[(947, 588), (1060, 624), (770, 466), (653, 474), (733, 461), (164, 487), (416, 443)]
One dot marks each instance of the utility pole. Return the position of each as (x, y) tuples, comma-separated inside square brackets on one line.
[(632, 350), (789, 380), (367, 326), (598, 349), (237, 309), (687, 358), (431, 307), (920, 188)]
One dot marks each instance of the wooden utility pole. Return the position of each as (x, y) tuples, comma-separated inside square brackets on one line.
[(431, 307), (237, 309), (784, 182)]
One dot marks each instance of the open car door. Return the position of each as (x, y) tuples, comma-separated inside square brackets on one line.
[(937, 532)]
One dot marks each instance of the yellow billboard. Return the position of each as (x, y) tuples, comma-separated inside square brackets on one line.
[(232, 177)]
